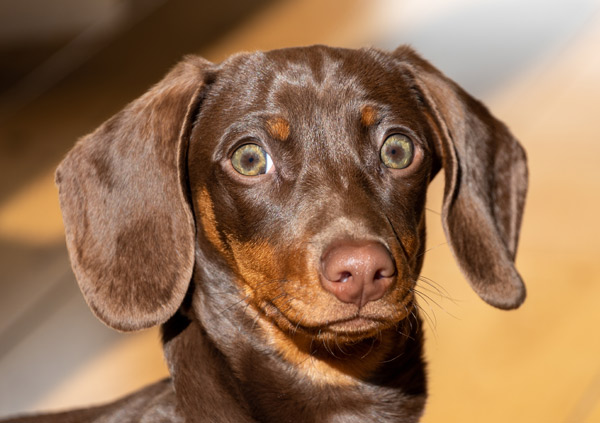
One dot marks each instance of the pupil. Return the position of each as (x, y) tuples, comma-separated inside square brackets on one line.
[(393, 151), (250, 159)]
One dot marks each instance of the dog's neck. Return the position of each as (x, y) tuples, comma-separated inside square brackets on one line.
[(246, 377)]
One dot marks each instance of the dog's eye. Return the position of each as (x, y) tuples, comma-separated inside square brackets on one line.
[(397, 151), (251, 160)]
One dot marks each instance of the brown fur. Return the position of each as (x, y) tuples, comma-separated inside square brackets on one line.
[(162, 229)]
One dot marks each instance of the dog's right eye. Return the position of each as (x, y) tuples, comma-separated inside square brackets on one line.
[(251, 160)]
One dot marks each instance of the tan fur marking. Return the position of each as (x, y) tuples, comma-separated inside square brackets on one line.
[(207, 219), (368, 115), (279, 128), (255, 261)]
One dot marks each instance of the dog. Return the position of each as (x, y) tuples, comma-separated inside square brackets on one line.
[(269, 213)]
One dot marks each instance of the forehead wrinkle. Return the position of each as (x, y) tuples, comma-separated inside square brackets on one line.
[(242, 77), (325, 77), (321, 112)]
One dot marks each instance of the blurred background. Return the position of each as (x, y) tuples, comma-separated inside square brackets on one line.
[(68, 65)]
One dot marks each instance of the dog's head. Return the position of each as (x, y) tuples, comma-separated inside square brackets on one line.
[(298, 178)]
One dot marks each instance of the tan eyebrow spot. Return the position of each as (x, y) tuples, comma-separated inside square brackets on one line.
[(368, 115), (279, 128)]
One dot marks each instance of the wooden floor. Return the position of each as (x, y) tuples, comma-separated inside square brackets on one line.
[(540, 363)]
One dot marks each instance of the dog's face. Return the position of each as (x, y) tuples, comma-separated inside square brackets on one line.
[(297, 179), (296, 156)]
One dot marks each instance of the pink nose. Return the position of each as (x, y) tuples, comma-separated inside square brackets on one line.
[(357, 272)]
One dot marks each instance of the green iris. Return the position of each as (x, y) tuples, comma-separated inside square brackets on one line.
[(397, 152), (251, 160)]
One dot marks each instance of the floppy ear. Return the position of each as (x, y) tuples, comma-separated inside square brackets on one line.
[(485, 171), (128, 223)]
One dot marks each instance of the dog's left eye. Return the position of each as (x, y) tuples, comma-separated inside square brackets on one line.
[(397, 151), (251, 160)]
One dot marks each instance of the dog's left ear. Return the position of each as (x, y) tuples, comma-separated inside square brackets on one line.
[(485, 171), (128, 222)]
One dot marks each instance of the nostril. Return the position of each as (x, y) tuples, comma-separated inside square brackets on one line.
[(379, 275), (344, 277)]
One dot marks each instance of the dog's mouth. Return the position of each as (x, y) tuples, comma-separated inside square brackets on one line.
[(356, 324), (360, 324)]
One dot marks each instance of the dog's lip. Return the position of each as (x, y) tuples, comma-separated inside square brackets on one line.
[(359, 323), (356, 324)]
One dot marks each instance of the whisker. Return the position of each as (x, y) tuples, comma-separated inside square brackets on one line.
[(433, 248), (427, 289), (231, 291), (329, 349), (437, 286), (432, 321), (340, 348), (315, 351), (389, 360), (408, 314), (255, 322), (426, 297), (415, 316), (295, 330), (374, 339), (407, 335), (221, 312)]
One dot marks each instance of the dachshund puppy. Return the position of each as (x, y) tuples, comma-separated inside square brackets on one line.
[(268, 212)]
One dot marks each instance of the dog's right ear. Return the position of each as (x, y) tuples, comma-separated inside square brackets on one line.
[(128, 222)]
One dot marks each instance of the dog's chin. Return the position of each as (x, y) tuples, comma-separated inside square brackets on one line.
[(356, 325), (351, 330)]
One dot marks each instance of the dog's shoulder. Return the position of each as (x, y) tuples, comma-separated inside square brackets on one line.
[(155, 403)]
